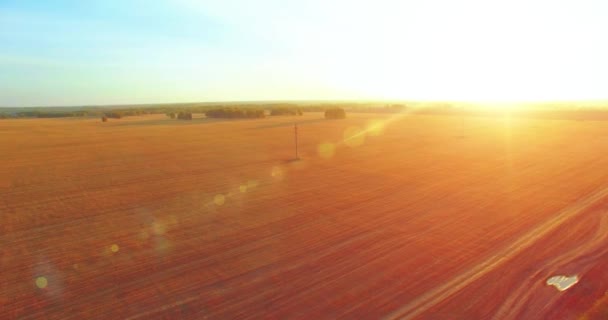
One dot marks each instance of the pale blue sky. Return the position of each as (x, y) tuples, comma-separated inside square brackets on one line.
[(119, 51)]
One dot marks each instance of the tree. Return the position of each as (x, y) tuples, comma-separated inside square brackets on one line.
[(114, 114), (335, 113), (184, 116)]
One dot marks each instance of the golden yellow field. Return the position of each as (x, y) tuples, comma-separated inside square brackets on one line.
[(409, 216)]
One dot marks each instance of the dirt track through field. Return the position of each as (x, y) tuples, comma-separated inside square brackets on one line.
[(148, 217), (458, 282), (580, 258)]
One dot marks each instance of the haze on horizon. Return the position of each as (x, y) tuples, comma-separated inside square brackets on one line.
[(117, 52)]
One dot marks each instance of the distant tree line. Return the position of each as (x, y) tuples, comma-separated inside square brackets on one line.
[(43, 114), (235, 113), (258, 110), (114, 114), (184, 115), (285, 111), (181, 115), (226, 110), (131, 112)]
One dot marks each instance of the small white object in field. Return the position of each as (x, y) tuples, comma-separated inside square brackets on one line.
[(562, 283)]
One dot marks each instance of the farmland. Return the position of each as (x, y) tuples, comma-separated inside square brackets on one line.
[(384, 216)]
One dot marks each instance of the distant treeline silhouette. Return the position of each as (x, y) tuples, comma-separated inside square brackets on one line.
[(184, 115), (235, 113), (243, 110), (43, 114), (565, 111), (114, 114), (286, 111)]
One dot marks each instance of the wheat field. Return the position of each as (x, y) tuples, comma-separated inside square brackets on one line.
[(384, 216)]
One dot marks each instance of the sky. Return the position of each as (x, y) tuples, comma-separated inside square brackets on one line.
[(133, 51)]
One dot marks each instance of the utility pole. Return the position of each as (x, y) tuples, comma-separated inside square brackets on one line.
[(462, 126), (462, 115), (295, 132)]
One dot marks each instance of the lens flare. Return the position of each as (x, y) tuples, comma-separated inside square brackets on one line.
[(354, 136), (219, 199), (41, 282), (375, 128), (326, 150), (158, 228), (252, 184), (276, 172)]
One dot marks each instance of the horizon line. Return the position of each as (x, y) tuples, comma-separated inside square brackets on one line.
[(457, 101)]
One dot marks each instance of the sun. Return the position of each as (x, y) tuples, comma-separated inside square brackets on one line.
[(501, 63)]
